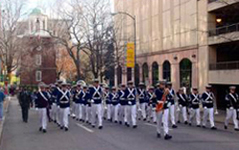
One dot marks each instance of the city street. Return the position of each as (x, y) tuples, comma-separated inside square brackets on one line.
[(21, 136)]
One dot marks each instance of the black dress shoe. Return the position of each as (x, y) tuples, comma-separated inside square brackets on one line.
[(185, 122), (40, 129), (139, 119), (236, 129), (66, 129), (204, 127), (198, 126), (93, 126), (225, 127), (44, 130), (116, 121), (213, 128), (189, 124), (178, 121), (174, 126), (54, 121), (144, 119), (167, 137), (135, 126), (158, 135), (155, 122), (120, 122), (62, 128), (100, 127)]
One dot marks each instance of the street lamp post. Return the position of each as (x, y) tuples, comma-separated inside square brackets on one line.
[(134, 19)]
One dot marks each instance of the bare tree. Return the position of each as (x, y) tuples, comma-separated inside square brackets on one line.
[(10, 44)]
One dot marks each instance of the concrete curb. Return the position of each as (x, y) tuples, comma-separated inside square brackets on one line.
[(4, 117)]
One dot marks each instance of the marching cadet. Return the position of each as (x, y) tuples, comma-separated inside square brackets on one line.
[(48, 90), (74, 107), (64, 103), (142, 95), (115, 104), (194, 102), (25, 103), (108, 103), (55, 105), (122, 107), (88, 105), (207, 101), (162, 115), (42, 103), (232, 102), (78, 102), (84, 100), (130, 94), (96, 94), (152, 98), (182, 106), (53, 101), (171, 97)]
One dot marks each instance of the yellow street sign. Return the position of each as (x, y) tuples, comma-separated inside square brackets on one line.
[(130, 55)]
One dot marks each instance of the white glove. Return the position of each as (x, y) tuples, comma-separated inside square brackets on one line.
[(105, 108), (130, 103), (205, 107), (231, 108), (180, 106), (92, 101)]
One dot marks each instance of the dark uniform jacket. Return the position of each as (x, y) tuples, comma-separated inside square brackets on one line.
[(63, 98), (122, 98), (159, 95), (208, 99), (142, 95), (194, 100), (114, 98), (96, 94), (42, 99), (130, 95), (182, 99), (232, 101), (25, 99), (107, 98)]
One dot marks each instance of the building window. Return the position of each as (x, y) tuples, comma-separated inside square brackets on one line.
[(167, 71), (155, 73), (38, 76), (38, 60), (119, 75), (129, 74), (137, 75), (145, 72), (185, 73)]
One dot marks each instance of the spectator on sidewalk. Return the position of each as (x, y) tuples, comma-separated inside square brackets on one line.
[(2, 97), (25, 103)]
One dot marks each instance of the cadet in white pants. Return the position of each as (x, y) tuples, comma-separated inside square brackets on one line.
[(42, 102), (208, 100), (232, 101), (142, 95), (162, 115), (122, 106), (130, 94), (194, 102), (96, 94), (108, 103), (64, 103), (171, 98), (182, 106), (115, 104)]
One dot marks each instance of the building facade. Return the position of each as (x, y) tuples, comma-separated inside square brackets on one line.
[(191, 43), (38, 61)]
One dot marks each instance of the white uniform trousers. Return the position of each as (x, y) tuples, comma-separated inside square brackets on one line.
[(58, 115), (172, 114), (43, 117), (64, 116), (162, 116), (232, 113), (142, 112), (103, 111), (182, 110), (131, 114), (207, 111), (123, 113), (54, 111), (74, 109), (77, 110), (115, 111), (88, 113), (193, 113), (96, 111), (109, 110)]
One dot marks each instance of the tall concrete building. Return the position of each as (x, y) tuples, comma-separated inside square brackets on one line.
[(188, 42)]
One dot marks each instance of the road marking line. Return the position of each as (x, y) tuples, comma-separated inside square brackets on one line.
[(87, 129), (153, 125)]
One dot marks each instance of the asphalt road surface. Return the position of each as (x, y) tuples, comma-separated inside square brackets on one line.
[(25, 136)]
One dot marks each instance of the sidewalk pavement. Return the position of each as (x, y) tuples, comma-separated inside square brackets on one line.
[(5, 110)]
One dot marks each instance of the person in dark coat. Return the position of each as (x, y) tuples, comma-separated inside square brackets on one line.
[(25, 103)]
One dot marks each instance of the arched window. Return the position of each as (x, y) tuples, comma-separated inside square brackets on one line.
[(129, 74), (145, 72), (119, 75), (155, 73), (136, 75), (167, 71), (186, 73)]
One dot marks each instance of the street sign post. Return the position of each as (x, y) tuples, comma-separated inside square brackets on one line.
[(130, 57)]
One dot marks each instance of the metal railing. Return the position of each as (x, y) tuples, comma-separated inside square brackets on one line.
[(224, 29), (224, 65)]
